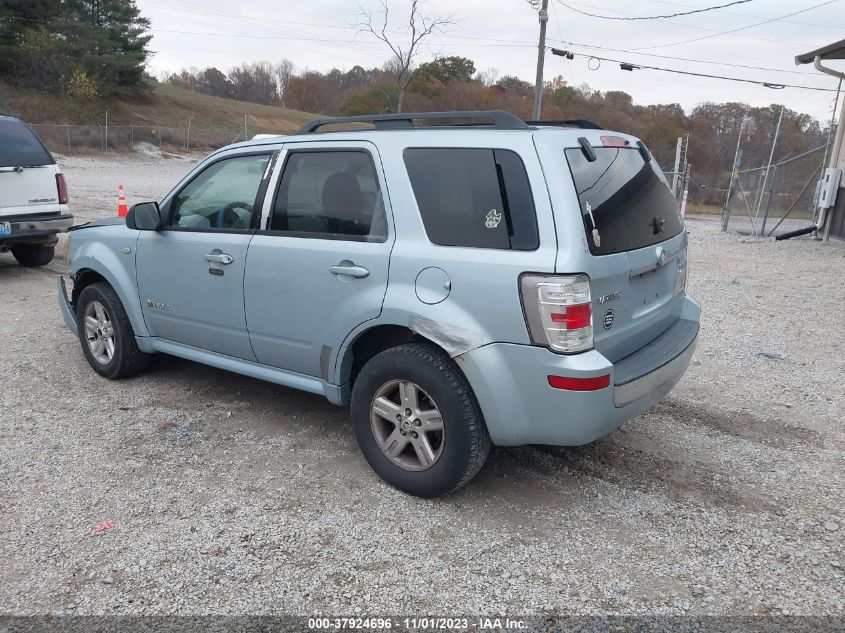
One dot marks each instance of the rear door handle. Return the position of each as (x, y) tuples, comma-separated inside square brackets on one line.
[(220, 258), (349, 269)]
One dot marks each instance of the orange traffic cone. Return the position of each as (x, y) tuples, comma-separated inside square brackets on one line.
[(122, 209)]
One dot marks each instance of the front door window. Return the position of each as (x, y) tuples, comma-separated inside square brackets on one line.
[(223, 196)]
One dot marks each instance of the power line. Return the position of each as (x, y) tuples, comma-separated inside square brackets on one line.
[(742, 28), (630, 66), (654, 17), (689, 59), (750, 15), (695, 26)]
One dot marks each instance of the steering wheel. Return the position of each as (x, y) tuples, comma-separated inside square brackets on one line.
[(227, 218)]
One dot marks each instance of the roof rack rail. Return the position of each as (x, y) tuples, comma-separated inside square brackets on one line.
[(499, 119), (584, 124)]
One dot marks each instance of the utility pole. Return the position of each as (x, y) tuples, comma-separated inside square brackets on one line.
[(676, 171), (734, 175), (541, 58), (769, 166)]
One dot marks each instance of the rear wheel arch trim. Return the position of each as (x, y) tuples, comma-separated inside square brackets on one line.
[(343, 372), (396, 333)]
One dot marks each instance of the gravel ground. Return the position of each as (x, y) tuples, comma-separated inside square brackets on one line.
[(230, 495)]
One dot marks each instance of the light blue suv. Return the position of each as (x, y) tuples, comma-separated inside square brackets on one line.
[(459, 279)]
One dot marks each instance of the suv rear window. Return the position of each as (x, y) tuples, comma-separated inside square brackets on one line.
[(476, 198), (623, 195), (20, 147)]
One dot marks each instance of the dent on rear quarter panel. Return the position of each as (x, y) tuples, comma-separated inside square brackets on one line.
[(99, 252)]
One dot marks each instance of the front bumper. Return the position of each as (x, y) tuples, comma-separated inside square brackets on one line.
[(40, 228), (64, 305), (511, 385)]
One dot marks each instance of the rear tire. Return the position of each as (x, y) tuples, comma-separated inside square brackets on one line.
[(106, 334), (437, 448), (31, 255)]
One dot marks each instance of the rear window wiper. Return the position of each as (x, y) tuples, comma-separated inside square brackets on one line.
[(589, 152)]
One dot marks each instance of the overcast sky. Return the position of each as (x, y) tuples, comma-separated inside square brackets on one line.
[(502, 34)]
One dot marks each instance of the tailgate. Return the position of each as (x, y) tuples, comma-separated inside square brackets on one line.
[(638, 298), (28, 190), (27, 172), (618, 223)]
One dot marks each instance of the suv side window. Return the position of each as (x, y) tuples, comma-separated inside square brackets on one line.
[(222, 196), (477, 198), (331, 195)]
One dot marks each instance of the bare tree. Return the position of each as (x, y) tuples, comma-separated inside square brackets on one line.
[(284, 73), (419, 27)]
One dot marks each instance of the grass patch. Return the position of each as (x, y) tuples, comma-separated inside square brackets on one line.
[(163, 105)]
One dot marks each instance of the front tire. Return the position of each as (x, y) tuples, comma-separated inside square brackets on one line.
[(31, 255), (417, 421), (106, 334)]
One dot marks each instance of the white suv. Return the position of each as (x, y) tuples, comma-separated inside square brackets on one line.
[(33, 195)]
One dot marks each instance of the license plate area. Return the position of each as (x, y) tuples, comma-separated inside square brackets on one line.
[(5, 228), (652, 289)]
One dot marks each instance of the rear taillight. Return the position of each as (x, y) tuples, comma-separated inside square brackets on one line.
[(61, 185), (559, 311)]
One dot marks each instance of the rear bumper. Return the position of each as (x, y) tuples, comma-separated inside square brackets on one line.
[(511, 384), (64, 304), (36, 227)]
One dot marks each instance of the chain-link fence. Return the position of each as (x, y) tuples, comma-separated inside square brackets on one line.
[(774, 199), (68, 139)]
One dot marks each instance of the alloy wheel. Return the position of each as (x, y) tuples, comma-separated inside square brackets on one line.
[(407, 425), (99, 332)]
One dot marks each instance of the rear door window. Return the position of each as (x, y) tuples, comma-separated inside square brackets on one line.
[(330, 195), (477, 198), (624, 203), (20, 147)]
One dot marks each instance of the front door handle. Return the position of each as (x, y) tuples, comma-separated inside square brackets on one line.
[(349, 269), (220, 258)]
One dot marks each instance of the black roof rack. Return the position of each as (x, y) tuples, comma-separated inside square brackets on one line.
[(584, 124), (499, 119)]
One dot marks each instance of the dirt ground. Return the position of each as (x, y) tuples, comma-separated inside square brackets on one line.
[(230, 495)]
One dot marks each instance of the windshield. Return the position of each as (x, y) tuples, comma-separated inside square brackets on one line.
[(624, 203)]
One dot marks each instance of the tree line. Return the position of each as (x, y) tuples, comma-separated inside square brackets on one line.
[(97, 50), (454, 83), (83, 48)]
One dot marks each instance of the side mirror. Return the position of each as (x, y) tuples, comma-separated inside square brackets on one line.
[(144, 216)]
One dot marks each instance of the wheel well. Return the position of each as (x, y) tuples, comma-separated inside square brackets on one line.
[(83, 279), (375, 341)]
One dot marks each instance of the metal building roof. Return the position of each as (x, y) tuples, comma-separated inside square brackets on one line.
[(831, 51)]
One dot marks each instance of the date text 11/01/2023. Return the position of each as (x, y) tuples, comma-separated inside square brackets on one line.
[(421, 623)]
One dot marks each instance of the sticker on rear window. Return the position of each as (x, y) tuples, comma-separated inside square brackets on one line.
[(493, 219)]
